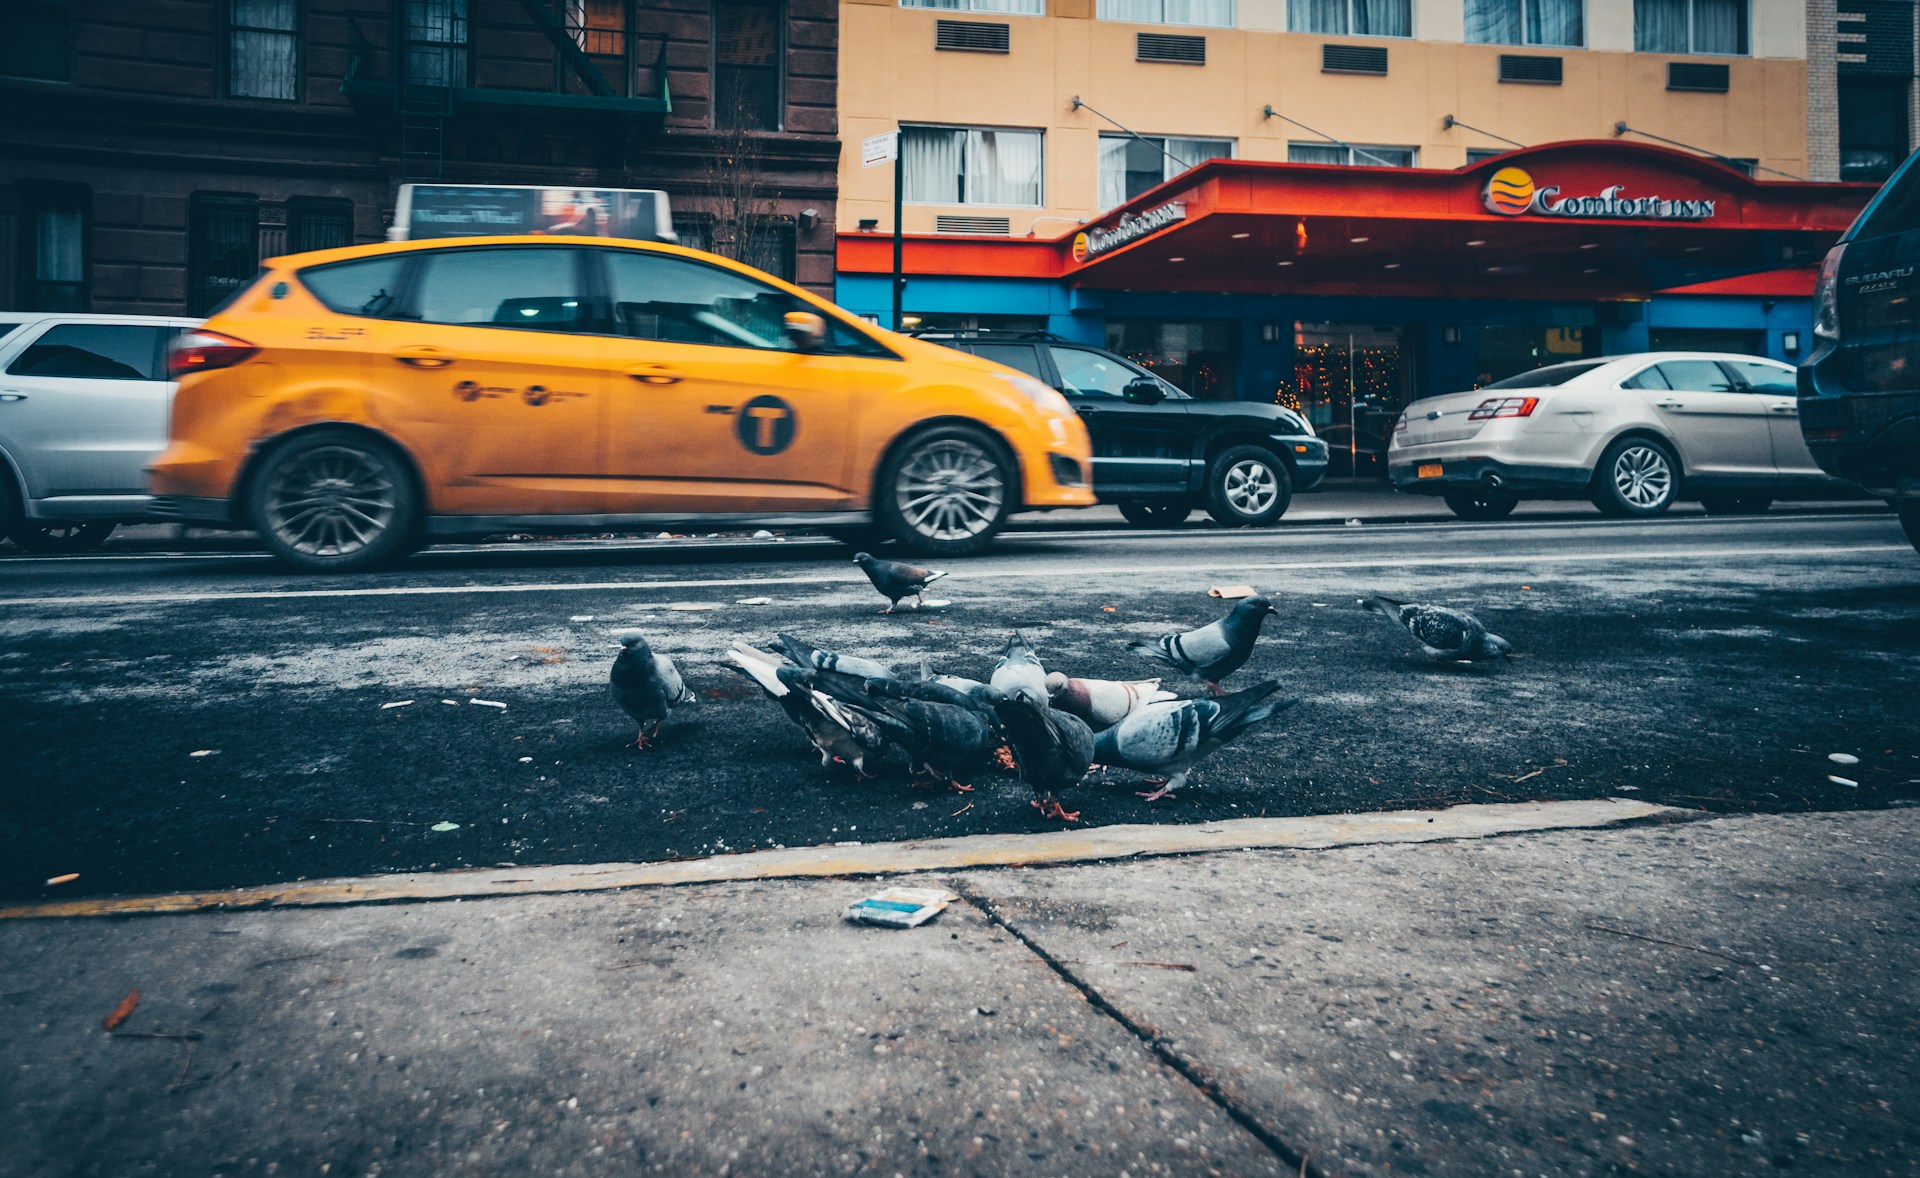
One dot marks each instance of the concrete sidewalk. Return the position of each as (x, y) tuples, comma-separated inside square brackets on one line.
[(1674, 997)]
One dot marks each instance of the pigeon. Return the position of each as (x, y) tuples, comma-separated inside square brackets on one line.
[(1170, 737), (1446, 635), (1213, 652), (806, 655), (973, 688), (1102, 703), (1019, 672), (645, 685), (943, 739), (839, 740), (1053, 748), (896, 580)]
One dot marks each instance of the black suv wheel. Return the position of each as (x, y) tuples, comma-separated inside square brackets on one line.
[(1247, 487), (1143, 513), (946, 492)]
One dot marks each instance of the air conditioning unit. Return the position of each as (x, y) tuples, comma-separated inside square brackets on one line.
[(1353, 59), (971, 36), (996, 226), (1171, 48), (1527, 67), (1702, 77)]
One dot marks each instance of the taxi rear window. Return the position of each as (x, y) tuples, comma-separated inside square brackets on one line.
[(365, 287)]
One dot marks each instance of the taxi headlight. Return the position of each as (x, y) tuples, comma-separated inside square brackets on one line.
[(1043, 397)]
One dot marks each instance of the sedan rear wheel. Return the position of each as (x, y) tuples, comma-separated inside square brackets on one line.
[(1636, 477), (334, 501), (946, 492)]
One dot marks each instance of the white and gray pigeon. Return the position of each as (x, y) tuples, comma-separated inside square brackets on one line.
[(646, 686), (897, 579), (839, 738), (1102, 703), (807, 655), (1019, 672), (1213, 652), (1053, 749), (1169, 737), (1445, 635)]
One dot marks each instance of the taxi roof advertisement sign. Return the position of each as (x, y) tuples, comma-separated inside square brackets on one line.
[(469, 210)]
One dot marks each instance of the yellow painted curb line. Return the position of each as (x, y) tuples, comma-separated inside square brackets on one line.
[(1318, 832)]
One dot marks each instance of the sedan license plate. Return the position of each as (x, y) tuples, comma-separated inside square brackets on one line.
[(1430, 470)]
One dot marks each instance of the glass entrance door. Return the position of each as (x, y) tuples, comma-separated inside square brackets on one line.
[(1352, 380)]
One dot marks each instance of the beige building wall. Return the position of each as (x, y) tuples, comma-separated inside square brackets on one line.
[(890, 73)]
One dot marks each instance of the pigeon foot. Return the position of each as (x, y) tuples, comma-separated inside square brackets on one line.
[(1215, 688), (1053, 809), (958, 787), (1155, 796)]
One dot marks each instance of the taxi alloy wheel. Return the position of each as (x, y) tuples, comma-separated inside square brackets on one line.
[(1638, 476), (1247, 487), (334, 501), (946, 492)]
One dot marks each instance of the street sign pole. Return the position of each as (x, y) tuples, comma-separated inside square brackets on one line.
[(899, 240)]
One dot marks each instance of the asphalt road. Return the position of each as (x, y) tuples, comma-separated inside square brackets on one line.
[(185, 722)]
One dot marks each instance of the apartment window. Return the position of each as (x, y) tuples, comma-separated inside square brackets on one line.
[(54, 257), (318, 223), (1011, 7), (1129, 165), (38, 40), (436, 42), (746, 65), (971, 166), (1358, 18), (1476, 154), (1690, 26), (1527, 22), (769, 244), (1210, 13), (1363, 155), (223, 246), (263, 49), (1873, 127), (599, 28)]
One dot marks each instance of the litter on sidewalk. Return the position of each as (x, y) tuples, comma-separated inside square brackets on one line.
[(1231, 592), (900, 907)]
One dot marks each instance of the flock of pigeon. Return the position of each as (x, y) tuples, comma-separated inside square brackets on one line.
[(1051, 727)]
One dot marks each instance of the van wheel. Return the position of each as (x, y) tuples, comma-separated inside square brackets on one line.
[(1636, 477), (334, 501), (1247, 487), (946, 492), (1727, 504), (1909, 510), (1481, 504), (53, 539), (1148, 514)]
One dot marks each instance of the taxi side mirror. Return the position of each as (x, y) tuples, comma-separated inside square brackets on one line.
[(807, 330), (1145, 390)]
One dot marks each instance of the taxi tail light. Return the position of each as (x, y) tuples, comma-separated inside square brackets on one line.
[(203, 351), (1494, 407)]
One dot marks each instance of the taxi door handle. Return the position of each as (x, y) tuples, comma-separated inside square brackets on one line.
[(653, 374), (422, 356)]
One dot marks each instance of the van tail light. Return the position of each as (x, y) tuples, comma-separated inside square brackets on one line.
[(1826, 296), (1494, 407), (203, 351)]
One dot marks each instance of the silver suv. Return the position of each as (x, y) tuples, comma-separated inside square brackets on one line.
[(1632, 433), (83, 407)]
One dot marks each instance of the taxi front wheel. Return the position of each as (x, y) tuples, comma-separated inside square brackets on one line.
[(945, 492), (334, 501)]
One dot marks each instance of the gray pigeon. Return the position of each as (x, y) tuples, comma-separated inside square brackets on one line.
[(1446, 635), (1053, 749), (1102, 703), (839, 740), (944, 740), (1019, 672), (1170, 737), (1211, 653), (895, 579), (645, 685), (973, 688), (812, 657)]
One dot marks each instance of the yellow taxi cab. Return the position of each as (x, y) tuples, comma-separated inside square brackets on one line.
[(352, 405)]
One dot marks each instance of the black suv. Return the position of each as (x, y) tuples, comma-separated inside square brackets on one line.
[(1860, 389), (1158, 453)]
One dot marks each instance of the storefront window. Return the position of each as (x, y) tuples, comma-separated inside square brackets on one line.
[(1351, 380), (1131, 164), (1196, 356), (1508, 350)]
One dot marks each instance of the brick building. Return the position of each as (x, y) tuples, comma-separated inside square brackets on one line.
[(151, 154)]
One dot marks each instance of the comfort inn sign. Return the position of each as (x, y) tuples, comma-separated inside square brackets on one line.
[(1512, 192)]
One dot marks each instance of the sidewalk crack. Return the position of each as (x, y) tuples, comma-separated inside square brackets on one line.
[(1151, 1039)]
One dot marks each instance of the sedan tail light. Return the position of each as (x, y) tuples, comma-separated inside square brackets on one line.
[(1400, 426), (1494, 407), (203, 351)]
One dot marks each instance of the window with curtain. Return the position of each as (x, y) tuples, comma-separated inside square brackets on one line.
[(1690, 26), (1130, 165), (436, 42), (1011, 7), (971, 166), (1365, 155), (1527, 22), (1355, 18), (54, 269), (746, 65), (263, 49), (1210, 13)]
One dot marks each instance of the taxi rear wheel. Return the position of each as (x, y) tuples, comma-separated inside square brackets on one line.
[(945, 492), (335, 501)]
